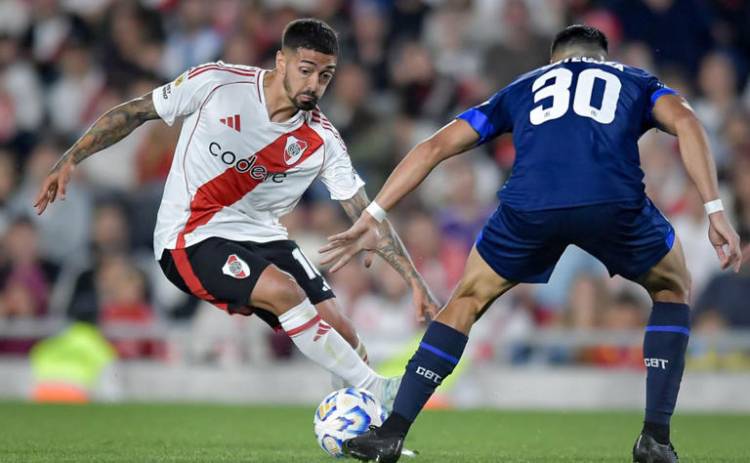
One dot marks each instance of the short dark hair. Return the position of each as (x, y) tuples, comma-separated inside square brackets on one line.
[(312, 34), (579, 35)]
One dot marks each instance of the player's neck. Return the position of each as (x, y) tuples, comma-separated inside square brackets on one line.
[(577, 53), (278, 106)]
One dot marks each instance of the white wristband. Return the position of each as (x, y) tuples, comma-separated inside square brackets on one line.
[(713, 206), (376, 211)]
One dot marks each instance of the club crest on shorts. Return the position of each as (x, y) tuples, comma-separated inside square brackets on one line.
[(236, 267), (294, 150)]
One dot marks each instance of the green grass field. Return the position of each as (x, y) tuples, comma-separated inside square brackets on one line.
[(226, 433)]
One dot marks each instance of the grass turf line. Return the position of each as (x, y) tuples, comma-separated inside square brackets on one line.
[(226, 433)]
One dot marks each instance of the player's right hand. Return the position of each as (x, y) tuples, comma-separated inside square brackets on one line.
[(725, 241), (54, 185), (363, 235)]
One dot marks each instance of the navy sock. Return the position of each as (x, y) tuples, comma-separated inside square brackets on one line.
[(664, 348), (437, 356)]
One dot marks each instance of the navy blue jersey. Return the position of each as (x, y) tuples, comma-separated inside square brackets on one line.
[(575, 124)]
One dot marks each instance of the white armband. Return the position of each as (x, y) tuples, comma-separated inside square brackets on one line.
[(376, 211), (713, 206)]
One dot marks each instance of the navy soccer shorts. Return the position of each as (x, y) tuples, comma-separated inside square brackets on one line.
[(224, 272), (628, 237)]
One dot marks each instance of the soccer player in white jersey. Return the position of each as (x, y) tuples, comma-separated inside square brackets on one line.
[(252, 142)]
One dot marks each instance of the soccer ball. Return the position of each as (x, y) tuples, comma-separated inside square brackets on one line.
[(344, 414)]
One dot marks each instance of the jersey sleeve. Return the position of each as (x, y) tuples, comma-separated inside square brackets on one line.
[(337, 174), (654, 89), (184, 95), (490, 118)]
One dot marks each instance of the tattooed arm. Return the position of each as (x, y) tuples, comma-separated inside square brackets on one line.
[(110, 128), (392, 250)]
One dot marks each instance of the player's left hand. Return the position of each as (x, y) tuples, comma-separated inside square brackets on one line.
[(725, 240), (363, 235)]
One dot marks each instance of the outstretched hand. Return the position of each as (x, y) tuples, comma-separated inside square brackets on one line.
[(363, 235), (726, 242), (54, 186)]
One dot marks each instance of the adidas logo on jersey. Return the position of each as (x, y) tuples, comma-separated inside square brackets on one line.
[(295, 148), (235, 267), (231, 121)]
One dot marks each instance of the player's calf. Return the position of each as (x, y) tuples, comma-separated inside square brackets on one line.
[(665, 342)]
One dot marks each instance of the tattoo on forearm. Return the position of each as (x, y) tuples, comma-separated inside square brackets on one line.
[(390, 247), (110, 128)]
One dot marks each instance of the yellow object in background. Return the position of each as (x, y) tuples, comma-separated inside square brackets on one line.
[(67, 366)]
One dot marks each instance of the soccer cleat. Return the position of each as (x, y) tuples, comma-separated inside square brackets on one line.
[(385, 390), (371, 446), (647, 450)]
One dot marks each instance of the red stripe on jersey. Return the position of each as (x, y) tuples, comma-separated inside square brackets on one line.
[(237, 122), (181, 261), (305, 326), (232, 185), (230, 122), (221, 68)]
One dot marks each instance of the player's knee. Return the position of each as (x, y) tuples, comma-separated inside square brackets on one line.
[(277, 291), (675, 287)]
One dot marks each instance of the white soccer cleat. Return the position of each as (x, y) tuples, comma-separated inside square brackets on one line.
[(385, 390)]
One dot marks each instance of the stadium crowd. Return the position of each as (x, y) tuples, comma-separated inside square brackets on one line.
[(406, 68)]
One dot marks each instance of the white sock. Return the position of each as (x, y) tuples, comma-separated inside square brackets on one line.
[(337, 382), (325, 346)]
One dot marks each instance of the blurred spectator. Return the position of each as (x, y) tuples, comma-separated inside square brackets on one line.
[(8, 180), (664, 174), (678, 30), (459, 210), (74, 93), (736, 131), (439, 259), (191, 40), (521, 49), (368, 42), (26, 278), (133, 44), (692, 229), (21, 98), (63, 229), (352, 109), (637, 54), (26, 281), (123, 302), (110, 241), (421, 90), (718, 85), (728, 294), (447, 31), (740, 176)]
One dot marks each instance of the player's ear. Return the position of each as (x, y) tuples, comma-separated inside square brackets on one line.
[(281, 62)]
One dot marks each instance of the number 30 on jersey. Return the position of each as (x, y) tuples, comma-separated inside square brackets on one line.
[(559, 90)]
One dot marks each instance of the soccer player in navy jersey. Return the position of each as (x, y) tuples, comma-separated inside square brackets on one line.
[(576, 180)]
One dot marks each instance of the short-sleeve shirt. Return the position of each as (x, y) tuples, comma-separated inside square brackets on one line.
[(576, 125), (235, 172)]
